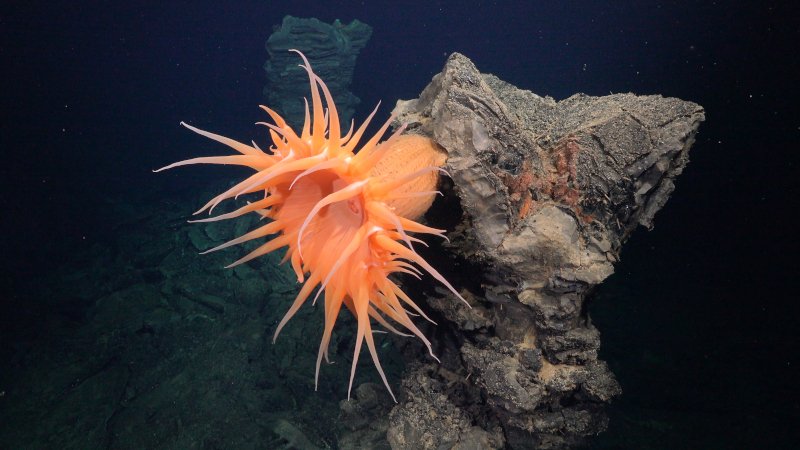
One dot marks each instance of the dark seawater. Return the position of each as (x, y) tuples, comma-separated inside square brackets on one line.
[(114, 333)]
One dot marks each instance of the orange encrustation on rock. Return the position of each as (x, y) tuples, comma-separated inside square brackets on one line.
[(345, 211)]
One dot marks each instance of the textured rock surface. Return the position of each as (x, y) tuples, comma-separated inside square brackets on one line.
[(332, 50), (547, 194), (151, 346)]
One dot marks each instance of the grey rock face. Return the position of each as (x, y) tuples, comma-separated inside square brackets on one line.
[(549, 192), (332, 50)]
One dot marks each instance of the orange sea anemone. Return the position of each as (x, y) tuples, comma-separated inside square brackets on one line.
[(344, 212)]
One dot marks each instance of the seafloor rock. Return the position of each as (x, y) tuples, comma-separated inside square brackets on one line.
[(332, 50), (547, 192)]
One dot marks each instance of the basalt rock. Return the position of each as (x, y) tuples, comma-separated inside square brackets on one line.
[(332, 50), (544, 194)]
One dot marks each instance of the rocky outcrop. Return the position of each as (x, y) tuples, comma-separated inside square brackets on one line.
[(150, 346), (332, 50), (543, 195)]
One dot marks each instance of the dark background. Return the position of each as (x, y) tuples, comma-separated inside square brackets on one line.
[(92, 94)]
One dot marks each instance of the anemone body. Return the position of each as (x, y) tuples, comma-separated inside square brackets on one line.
[(345, 211)]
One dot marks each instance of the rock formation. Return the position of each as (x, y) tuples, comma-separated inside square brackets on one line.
[(150, 346), (543, 195), (332, 50)]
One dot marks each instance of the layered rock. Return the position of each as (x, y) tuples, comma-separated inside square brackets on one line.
[(332, 50), (543, 195)]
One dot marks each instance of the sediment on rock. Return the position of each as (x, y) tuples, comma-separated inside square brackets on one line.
[(547, 193)]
